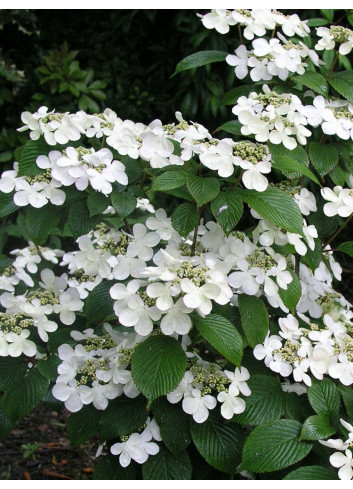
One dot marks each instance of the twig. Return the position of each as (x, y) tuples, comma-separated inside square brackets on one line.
[(49, 473), (332, 67)]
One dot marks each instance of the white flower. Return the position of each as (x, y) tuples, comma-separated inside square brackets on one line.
[(161, 224), (20, 344), (138, 447), (69, 394), (199, 405), (143, 243), (177, 319), (199, 297), (139, 315), (69, 303), (184, 389), (265, 351), (240, 61), (231, 403), (345, 463), (238, 380), (219, 19)]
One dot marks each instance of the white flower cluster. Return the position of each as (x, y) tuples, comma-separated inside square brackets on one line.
[(326, 350), (29, 312), (278, 118), (340, 201), (204, 378), (256, 22), (338, 460), (335, 117), (331, 35), (271, 58)]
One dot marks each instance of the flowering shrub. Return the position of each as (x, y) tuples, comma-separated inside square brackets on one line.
[(177, 292)]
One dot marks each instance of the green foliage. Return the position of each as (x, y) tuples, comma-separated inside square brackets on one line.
[(227, 208), (185, 218), (324, 398), (166, 466), (323, 158), (312, 472), (317, 427), (83, 425), (254, 318), (202, 189), (199, 59)]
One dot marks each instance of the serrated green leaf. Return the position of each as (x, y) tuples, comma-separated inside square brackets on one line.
[(289, 165), (12, 371), (313, 257), (123, 416), (83, 425), (311, 473), (97, 203), (199, 59), (157, 366), (291, 296), (24, 395), (7, 205), (79, 220), (297, 407), (133, 168), (324, 157), (346, 247), (347, 396), (166, 466), (270, 204), (174, 425), (254, 318), (317, 427), (274, 446), (40, 222), (99, 305), (169, 180), (109, 468), (223, 335), (265, 403), (343, 83), (185, 218), (324, 398), (48, 368), (32, 149), (227, 208), (124, 203), (202, 189), (219, 443), (231, 97), (59, 337), (312, 80)]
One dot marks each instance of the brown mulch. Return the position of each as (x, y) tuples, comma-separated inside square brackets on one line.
[(38, 448)]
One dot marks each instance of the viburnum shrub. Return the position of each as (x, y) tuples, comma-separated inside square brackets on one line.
[(177, 292)]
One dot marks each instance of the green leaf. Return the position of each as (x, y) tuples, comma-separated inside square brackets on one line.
[(311, 473), (7, 205), (158, 365), (232, 127), (40, 222), (12, 371), (169, 180), (166, 466), (48, 368), (265, 403), (297, 407), (219, 443), (109, 468), (83, 425), (254, 318), (97, 203), (343, 83), (324, 398), (122, 417), (231, 97), (80, 221), (223, 335), (274, 446), (324, 157), (313, 257), (32, 149), (347, 396), (288, 164), (124, 203), (99, 305), (317, 427), (227, 208), (174, 425), (346, 247), (133, 168), (270, 204), (291, 296), (312, 80), (185, 218), (199, 59), (24, 395), (202, 189), (6, 425)]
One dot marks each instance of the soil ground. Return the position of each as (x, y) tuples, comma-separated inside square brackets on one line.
[(38, 448)]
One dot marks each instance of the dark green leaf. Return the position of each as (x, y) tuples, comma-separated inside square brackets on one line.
[(270, 204), (169, 180), (202, 189), (232, 127), (166, 466), (219, 443), (227, 208), (109, 468), (223, 335), (97, 203), (291, 296), (231, 97), (324, 157), (124, 203), (265, 403), (7, 205), (347, 396), (346, 247), (254, 318), (312, 80), (83, 425), (185, 218), (48, 368), (40, 222), (317, 427), (6, 425), (274, 446), (324, 398), (99, 304), (343, 83), (122, 417), (31, 151), (158, 365), (312, 473), (12, 371), (287, 164), (199, 59)]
